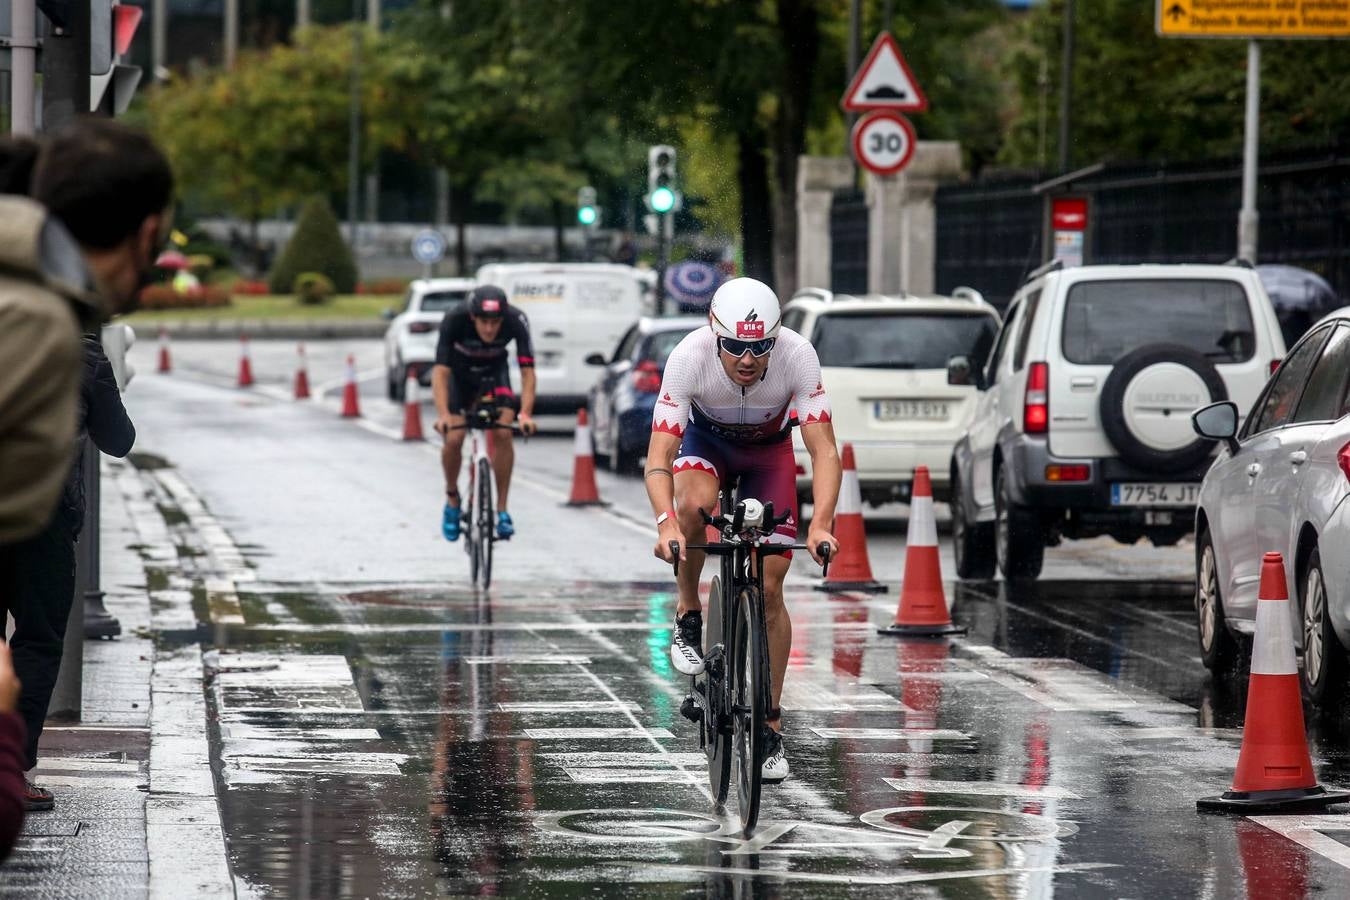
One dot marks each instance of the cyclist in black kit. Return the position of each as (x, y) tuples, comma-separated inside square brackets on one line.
[(471, 362)]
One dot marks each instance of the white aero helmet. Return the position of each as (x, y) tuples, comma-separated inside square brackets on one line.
[(744, 309)]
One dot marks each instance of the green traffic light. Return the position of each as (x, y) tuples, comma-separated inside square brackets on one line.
[(586, 215), (662, 200)]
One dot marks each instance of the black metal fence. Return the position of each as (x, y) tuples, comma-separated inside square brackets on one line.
[(990, 234), (848, 242)]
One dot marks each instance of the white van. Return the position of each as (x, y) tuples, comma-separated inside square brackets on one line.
[(575, 309)]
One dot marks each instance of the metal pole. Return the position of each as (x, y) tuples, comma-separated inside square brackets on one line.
[(1248, 218), (662, 260), (231, 32), (1066, 88), (854, 60), (302, 13), (23, 44), (159, 39), (354, 134)]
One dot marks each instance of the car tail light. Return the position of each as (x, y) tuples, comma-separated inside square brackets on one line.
[(647, 377), (422, 327), (1067, 473), (1036, 409), (1343, 460), (1275, 364)]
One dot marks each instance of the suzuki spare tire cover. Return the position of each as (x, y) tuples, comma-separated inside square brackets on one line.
[(1147, 401)]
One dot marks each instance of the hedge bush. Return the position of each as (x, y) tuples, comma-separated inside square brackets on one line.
[(316, 245), (163, 296), (383, 286), (313, 288)]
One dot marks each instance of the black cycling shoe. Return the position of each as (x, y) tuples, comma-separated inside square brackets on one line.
[(685, 643)]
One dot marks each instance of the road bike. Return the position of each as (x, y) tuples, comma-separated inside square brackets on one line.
[(479, 514), (730, 700)]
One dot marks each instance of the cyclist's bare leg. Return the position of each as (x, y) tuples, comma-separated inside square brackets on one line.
[(778, 624), (694, 489), (452, 452), (503, 456)]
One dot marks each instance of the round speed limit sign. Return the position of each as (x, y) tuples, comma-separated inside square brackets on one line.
[(883, 142)]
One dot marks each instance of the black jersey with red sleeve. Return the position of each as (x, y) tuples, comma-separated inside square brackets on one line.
[(460, 347)]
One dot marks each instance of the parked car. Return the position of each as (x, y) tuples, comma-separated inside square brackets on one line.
[(410, 340), (1281, 483), (1082, 424), (575, 310), (624, 396), (884, 366)]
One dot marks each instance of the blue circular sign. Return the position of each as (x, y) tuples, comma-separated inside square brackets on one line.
[(692, 284), (428, 247)]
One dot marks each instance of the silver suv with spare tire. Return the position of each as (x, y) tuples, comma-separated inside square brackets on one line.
[(1082, 426)]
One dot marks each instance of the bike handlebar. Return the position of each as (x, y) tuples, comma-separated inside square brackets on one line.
[(823, 550)]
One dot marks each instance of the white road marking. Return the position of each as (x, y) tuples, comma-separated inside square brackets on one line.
[(682, 873), (633, 776), (806, 696), (979, 788), (1310, 832), (241, 732), (526, 659), (620, 760), (596, 734), (891, 734), (570, 706), (452, 627)]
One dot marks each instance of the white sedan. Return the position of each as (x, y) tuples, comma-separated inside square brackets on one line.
[(1281, 484), (410, 341)]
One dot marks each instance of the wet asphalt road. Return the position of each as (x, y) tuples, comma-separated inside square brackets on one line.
[(379, 730)]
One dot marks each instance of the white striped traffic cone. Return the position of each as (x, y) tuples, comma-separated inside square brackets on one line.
[(245, 363), (851, 571), (923, 605), (412, 409), (165, 366), (584, 491), (1274, 772), (301, 375), (351, 404)]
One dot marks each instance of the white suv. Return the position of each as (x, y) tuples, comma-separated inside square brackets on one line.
[(1083, 421), (410, 340), (884, 366)]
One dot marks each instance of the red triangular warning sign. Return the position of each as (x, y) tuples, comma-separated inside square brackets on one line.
[(884, 81)]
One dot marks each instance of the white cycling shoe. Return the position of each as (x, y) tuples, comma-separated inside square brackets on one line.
[(684, 645), (775, 767)]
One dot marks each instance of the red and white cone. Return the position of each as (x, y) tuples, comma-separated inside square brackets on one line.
[(351, 404), (850, 570), (412, 409), (245, 364), (1274, 772), (165, 366), (301, 375), (923, 605), (584, 491)]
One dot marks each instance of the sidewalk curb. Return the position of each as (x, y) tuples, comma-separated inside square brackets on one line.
[(265, 329)]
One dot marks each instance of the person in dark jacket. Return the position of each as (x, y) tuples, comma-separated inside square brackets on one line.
[(37, 576), (11, 756)]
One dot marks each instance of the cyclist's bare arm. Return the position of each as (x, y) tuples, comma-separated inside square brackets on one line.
[(661, 453), (440, 393), (826, 473), (528, 386)]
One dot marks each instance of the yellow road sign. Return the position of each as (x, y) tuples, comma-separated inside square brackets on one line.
[(1254, 18)]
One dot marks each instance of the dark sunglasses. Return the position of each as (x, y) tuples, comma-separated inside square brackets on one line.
[(737, 348)]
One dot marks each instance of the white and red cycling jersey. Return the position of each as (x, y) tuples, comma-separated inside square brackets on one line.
[(697, 393)]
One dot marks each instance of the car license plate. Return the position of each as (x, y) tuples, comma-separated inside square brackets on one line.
[(895, 410), (1156, 494)]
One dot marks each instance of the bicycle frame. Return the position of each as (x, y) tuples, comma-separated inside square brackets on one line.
[(479, 523)]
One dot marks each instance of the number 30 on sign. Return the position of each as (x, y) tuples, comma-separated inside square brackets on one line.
[(883, 142)]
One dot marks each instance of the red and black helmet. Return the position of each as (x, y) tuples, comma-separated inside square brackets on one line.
[(487, 302)]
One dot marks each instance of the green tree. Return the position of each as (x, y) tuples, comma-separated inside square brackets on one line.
[(316, 245)]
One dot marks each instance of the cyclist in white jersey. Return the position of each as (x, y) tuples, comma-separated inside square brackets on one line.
[(724, 412)]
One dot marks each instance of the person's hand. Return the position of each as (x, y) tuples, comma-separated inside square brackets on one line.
[(668, 531), (527, 425), (442, 425), (817, 535), (9, 682)]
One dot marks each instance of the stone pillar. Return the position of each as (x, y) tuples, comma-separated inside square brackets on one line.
[(818, 177), (902, 220)]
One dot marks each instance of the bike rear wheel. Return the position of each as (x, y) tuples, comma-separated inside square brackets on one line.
[(485, 523), (716, 734), (749, 670)]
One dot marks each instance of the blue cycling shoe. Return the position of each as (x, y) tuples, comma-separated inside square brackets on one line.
[(450, 523), (505, 528)]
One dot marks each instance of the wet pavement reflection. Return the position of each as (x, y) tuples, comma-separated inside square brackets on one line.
[(415, 741)]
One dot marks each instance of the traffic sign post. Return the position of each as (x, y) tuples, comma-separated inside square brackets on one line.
[(883, 142), (428, 248)]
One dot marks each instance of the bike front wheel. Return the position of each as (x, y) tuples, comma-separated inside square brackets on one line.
[(485, 524), (749, 670)]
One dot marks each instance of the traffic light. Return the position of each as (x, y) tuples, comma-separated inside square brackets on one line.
[(661, 194), (588, 214), (117, 340), (112, 26)]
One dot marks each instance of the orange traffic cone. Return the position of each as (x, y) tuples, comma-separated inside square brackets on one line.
[(584, 491), (301, 375), (1274, 772), (351, 405), (923, 606), (165, 367), (412, 409), (245, 365), (851, 571)]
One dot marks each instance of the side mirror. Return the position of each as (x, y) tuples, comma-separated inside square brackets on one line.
[(1218, 422), (388, 314), (597, 359), (961, 373)]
